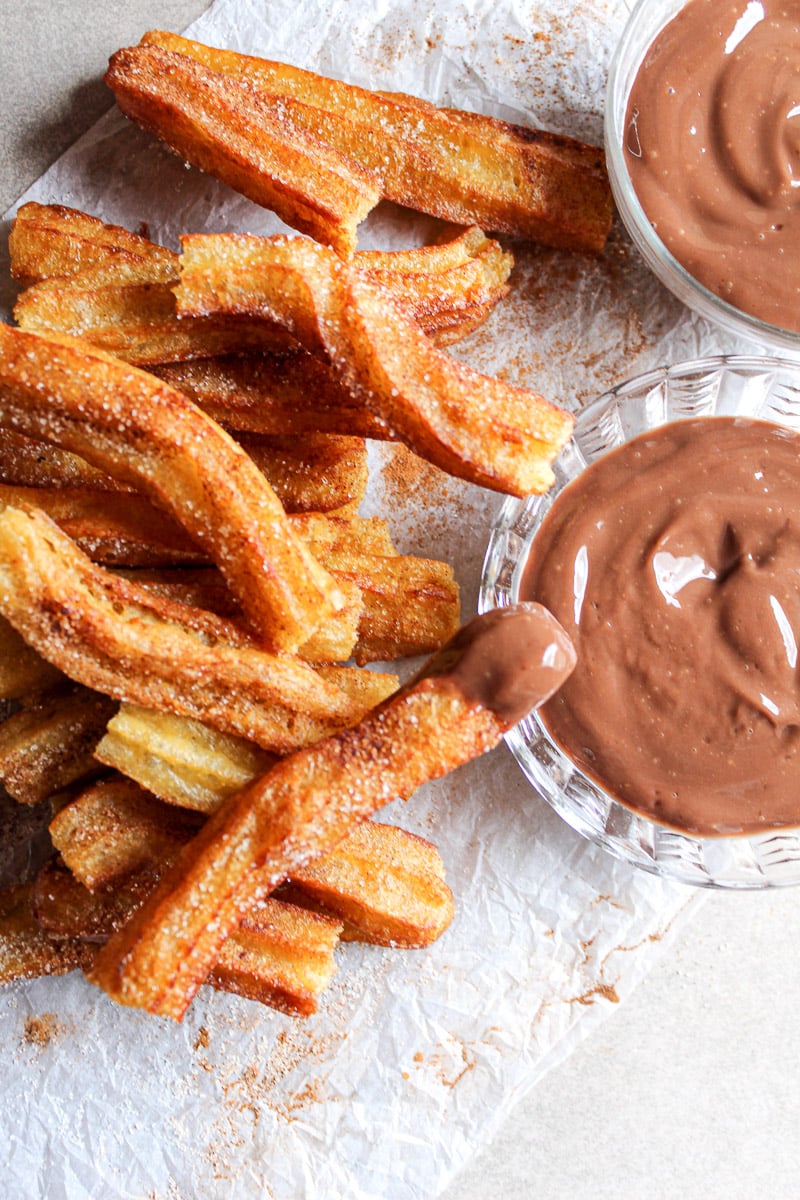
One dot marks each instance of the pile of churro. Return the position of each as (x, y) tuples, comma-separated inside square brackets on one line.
[(189, 598)]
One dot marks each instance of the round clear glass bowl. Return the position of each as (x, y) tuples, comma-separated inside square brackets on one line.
[(763, 388), (646, 21)]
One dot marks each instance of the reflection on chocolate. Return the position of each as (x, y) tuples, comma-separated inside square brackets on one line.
[(713, 148), (674, 565)]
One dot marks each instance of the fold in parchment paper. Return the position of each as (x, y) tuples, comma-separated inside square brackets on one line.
[(415, 1057)]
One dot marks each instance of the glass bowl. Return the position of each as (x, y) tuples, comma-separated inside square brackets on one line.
[(646, 21), (757, 387)]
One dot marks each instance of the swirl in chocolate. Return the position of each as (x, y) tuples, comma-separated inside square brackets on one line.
[(712, 145), (674, 565)]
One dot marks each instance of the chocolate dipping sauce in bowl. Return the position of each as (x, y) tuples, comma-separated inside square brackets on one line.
[(702, 139), (669, 549)]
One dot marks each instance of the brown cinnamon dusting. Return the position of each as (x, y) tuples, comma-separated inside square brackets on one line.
[(202, 1039), (448, 1073), (276, 1084), (311, 1093), (606, 990), (434, 506), (586, 945), (656, 936), (40, 1031), (468, 1065), (591, 315), (415, 479), (611, 901)]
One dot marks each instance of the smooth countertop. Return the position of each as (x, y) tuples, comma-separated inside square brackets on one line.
[(691, 1088)]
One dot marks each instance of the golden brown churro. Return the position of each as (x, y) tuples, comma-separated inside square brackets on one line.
[(455, 710), (460, 166), (133, 426), (478, 428)]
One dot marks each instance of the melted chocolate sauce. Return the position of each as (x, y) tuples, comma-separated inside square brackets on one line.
[(713, 148), (509, 660), (674, 565)]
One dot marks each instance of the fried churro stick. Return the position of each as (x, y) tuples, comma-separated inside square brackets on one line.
[(270, 394), (458, 708), (131, 425), (134, 318), (28, 462), (113, 829), (22, 669), (26, 951), (446, 303), (182, 761), (474, 427), (280, 955), (460, 166), (319, 473), (409, 605), (398, 605), (223, 127), (119, 639), (125, 530), (330, 536), (389, 885), (136, 321), (386, 884), (49, 744), (48, 240), (316, 473), (190, 764), (116, 529), (455, 248), (66, 908), (129, 310)]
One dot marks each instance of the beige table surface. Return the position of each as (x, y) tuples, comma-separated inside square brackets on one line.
[(692, 1089)]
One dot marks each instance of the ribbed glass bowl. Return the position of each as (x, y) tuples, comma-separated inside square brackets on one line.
[(763, 388), (646, 21)]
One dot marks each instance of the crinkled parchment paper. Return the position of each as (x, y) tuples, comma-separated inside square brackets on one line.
[(415, 1057)]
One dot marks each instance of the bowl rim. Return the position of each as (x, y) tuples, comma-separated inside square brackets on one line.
[(624, 65), (498, 588)]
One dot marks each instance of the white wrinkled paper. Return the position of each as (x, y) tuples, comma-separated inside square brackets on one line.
[(415, 1057)]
